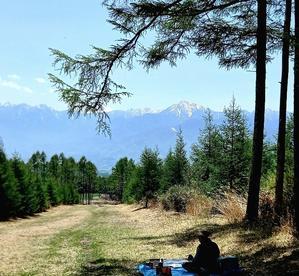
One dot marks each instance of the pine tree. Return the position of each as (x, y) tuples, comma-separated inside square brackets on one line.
[(53, 166), (206, 156), (150, 173), (235, 159), (180, 162), (10, 199), (168, 169), (41, 194), (26, 190), (52, 190)]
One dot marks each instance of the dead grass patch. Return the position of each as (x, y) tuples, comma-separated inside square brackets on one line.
[(232, 206)]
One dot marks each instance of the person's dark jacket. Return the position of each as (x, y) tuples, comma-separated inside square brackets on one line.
[(206, 256)]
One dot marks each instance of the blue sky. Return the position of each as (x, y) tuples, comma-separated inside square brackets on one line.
[(28, 28)]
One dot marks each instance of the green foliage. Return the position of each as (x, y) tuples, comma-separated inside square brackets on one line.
[(134, 191), (53, 192), (177, 198), (10, 198), (180, 162), (26, 188), (150, 173), (268, 166), (236, 151), (221, 157), (289, 162), (29, 188), (168, 172), (175, 169), (205, 157), (41, 194), (119, 179)]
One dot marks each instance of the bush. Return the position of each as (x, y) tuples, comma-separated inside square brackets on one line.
[(186, 200), (266, 206), (176, 199)]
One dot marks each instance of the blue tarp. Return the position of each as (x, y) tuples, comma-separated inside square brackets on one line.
[(175, 264)]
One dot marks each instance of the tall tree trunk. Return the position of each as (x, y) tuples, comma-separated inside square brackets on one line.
[(296, 118), (283, 110), (258, 134)]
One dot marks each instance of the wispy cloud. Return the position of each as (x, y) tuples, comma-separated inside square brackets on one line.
[(40, 80), (12, 84), (14, 77)]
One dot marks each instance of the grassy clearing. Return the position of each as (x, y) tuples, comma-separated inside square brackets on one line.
[(108, 239)]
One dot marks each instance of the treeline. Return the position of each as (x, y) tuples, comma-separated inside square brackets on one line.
[(219, 161), (32, 187)]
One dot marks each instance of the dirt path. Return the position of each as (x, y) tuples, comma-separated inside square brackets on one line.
[(23, 240)]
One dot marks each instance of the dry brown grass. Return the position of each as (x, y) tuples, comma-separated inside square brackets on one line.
[(23, 240), (232, 206), (199, 205)]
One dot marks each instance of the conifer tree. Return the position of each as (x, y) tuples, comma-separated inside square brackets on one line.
[(26, 190), (121, 173), (150, 173), (180, 162), (41, 194), (168, 172), (134, 189), (235, 159), (10, 199), (206, 156)]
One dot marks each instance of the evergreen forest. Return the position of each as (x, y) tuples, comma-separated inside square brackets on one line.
[(33, 187)]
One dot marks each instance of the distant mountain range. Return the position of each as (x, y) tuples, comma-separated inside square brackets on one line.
[(25, 129)]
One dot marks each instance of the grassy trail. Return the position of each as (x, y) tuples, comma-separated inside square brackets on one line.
[(100, 239), (107, 239)]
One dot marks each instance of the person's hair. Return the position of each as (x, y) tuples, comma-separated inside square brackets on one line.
[(204, 234)]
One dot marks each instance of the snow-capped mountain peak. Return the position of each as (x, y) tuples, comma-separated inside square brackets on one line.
[(184, 108)]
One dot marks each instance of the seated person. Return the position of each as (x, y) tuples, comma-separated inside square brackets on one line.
[(205, 259)]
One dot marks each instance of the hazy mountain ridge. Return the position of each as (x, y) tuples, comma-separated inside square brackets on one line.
[(25, 129)]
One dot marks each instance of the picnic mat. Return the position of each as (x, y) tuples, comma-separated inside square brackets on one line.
[(175, 264)]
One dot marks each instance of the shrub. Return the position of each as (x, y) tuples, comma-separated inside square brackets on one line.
[(175, 199), (186, 200), (266, 206)]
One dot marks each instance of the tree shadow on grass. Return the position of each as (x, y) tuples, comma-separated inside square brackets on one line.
[(152, 239), (245, 233), (267, 260), (190, 235), (140, 208), (107, 267), (271, 260)]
